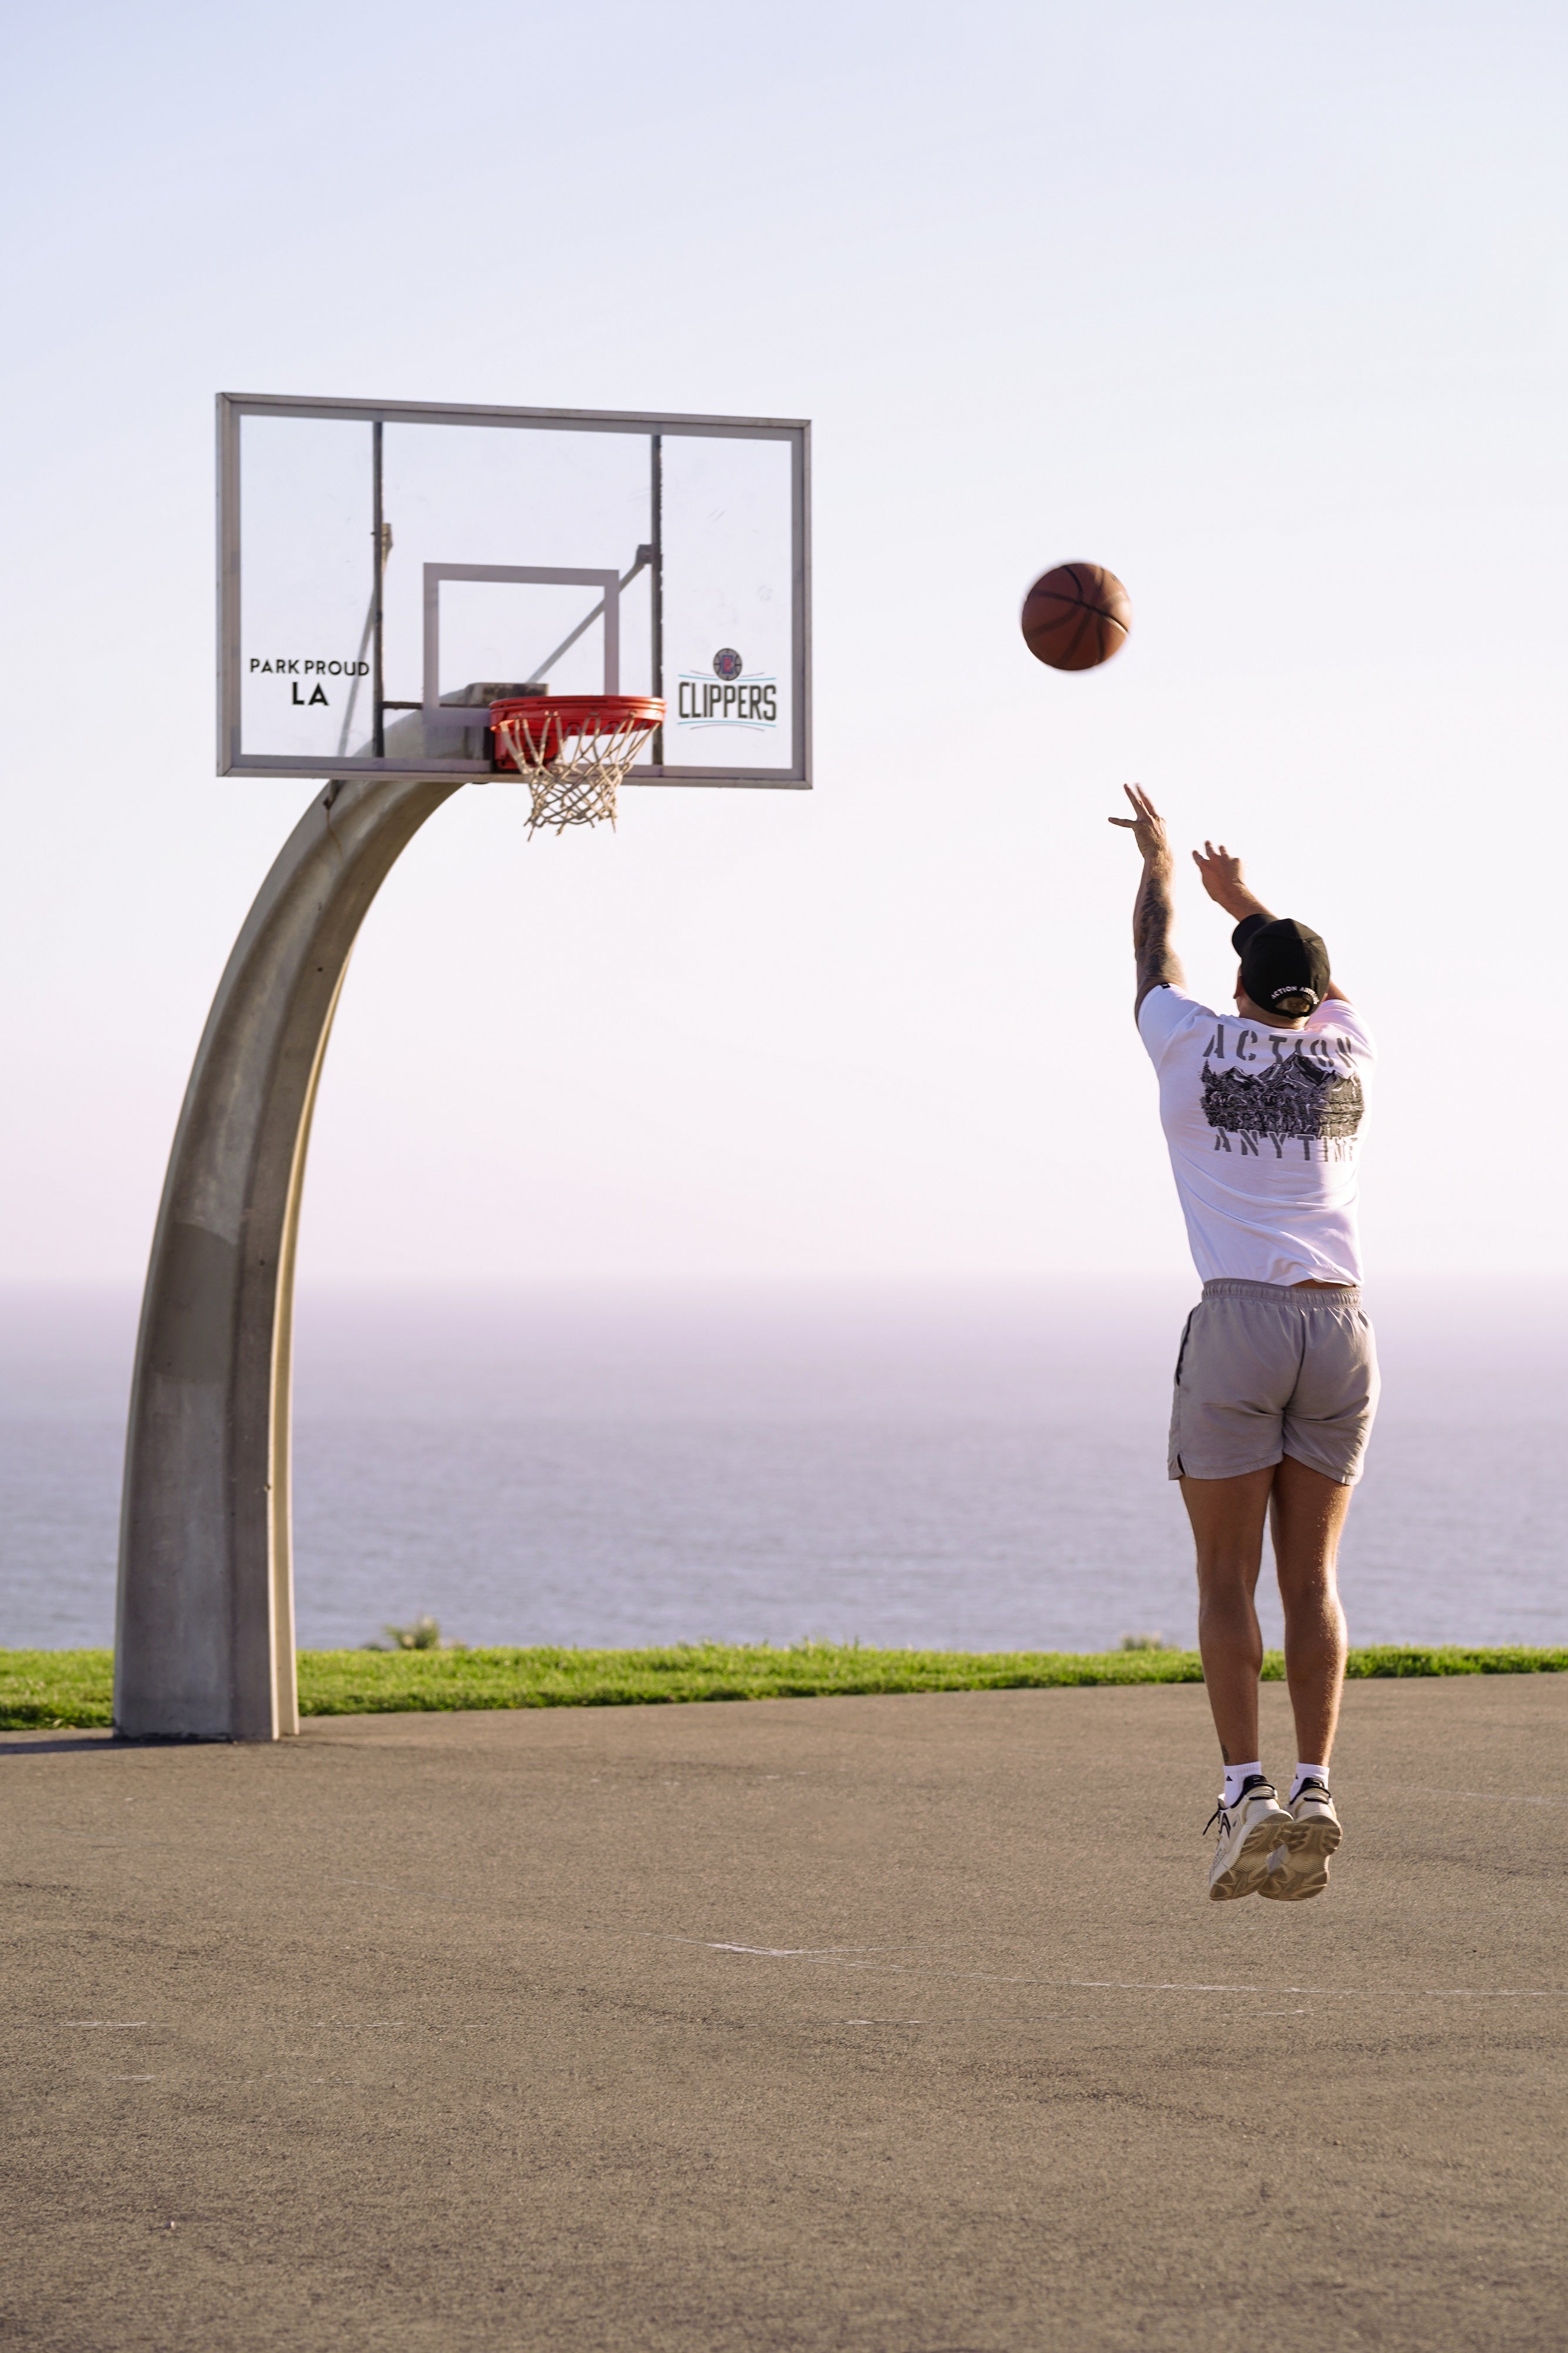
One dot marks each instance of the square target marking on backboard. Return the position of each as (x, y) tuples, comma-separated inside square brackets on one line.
[(386, 569)]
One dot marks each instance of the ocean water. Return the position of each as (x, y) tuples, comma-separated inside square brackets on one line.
[(979, 1466)]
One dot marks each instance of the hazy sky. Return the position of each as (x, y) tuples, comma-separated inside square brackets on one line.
[(1260, 306)]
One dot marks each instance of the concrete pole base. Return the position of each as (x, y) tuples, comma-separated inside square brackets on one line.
[(204, 1623)]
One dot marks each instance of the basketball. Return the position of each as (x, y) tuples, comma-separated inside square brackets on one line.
[(1076, 616)]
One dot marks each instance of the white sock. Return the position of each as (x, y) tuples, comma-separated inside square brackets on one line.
[(1234, 1775), (1307, 1773)]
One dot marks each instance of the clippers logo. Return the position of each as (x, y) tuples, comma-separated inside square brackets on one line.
[(733, 696)]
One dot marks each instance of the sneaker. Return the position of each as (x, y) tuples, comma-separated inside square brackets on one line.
[(1249, 1831), (1300, 1868)]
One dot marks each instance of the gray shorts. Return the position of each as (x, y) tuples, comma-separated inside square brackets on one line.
[(1265, 1370)]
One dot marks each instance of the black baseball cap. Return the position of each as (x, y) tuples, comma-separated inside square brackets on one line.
[(1284, 964)]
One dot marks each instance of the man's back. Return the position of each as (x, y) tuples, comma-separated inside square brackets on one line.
[(1264, 1130)]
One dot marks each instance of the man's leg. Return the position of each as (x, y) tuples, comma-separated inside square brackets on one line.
[(1306, 1513), (1227, 1517)]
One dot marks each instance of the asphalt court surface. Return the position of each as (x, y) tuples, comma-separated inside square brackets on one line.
[(900, 2024)]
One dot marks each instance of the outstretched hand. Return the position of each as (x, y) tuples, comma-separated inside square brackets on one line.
[(1146, 826), (1221, 872), (1222, 879)]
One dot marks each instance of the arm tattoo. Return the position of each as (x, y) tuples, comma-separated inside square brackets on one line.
[(1152, 917)]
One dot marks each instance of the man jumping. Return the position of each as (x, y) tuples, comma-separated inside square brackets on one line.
[(1275, 1380)]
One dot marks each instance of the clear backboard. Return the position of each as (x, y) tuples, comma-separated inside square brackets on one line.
[(388, 569)]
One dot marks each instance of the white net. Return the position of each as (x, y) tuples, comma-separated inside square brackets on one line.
[(573, 777)]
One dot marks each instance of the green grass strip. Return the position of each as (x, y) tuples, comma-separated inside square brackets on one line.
[(46, 1689)]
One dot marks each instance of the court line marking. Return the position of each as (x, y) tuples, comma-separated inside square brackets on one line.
[(389, 1887), (1486, 1797), (783, 1952), (1129, 1985)]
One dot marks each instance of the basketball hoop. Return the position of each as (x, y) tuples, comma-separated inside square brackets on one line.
[(572, 750)]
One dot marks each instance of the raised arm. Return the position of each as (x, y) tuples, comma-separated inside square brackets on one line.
[(1222, 879), (1159, 966)]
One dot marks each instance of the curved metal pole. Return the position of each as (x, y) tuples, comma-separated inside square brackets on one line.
[(204, 1624)]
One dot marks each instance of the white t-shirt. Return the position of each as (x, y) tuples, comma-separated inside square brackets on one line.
[(1264, 1127)]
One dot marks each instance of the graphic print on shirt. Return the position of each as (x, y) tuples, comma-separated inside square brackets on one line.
[(1302, 1097)]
